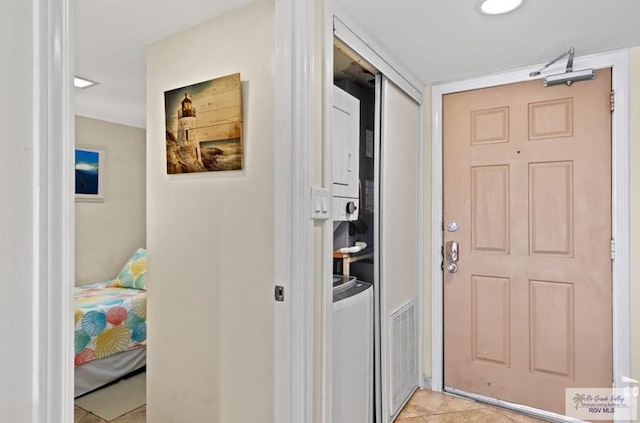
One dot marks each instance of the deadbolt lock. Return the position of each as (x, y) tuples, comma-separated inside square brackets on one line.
[(451, 256)]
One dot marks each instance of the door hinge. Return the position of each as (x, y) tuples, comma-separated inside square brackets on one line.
[(613, 249), (613, 100)]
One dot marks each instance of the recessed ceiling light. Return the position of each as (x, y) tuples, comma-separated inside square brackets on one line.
[(82, 82), (498, 7)]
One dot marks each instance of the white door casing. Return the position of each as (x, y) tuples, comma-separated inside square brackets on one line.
[(295, 131), (49, 290)]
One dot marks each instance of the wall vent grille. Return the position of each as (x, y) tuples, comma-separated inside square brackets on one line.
[(403, 351)]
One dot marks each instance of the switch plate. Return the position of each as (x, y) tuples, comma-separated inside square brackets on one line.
[(320, 203)]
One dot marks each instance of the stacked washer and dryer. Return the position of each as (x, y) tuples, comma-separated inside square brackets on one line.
[(352, 327)]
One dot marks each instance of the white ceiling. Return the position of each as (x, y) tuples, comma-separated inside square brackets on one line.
[(111, 36), (436, 40)]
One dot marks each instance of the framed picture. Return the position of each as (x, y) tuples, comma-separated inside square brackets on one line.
[(90, 173), (204, 126)]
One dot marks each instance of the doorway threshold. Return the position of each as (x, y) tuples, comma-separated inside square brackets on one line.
[(521, 409)]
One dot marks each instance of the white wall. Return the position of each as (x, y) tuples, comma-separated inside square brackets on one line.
[(210, 236), (17, 284), (108, 233)]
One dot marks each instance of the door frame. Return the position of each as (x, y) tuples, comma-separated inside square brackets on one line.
[(294, 318), (54, 248), (54, 204), (53, 271), (619, 62)]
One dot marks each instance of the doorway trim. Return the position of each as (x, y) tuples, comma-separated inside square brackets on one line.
[(619, 62), (53, 210), (294, 318)]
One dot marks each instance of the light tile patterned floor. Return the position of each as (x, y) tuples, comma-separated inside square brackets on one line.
[(139, 415), (423, 407), (435, 407)]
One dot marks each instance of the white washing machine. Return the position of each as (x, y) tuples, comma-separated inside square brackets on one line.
[(352, 360)]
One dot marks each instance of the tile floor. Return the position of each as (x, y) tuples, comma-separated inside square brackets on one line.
[(139, 415), (423, 407), (434, 407)]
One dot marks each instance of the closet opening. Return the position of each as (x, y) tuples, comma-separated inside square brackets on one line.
[(355, 341), (373, 334)]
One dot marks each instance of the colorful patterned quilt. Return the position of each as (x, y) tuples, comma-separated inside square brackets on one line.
[(108, 320)]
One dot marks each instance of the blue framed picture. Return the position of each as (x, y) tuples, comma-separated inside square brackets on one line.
[(90, 174)]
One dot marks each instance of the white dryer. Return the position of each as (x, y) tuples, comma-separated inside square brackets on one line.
[(352, 359)]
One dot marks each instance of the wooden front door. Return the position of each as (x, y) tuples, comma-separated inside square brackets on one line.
[(527, 181)]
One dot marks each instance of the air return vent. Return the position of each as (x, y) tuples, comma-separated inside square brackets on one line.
[(403, 353)]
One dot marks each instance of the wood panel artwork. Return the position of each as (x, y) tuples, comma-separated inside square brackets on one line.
[(204, 126)]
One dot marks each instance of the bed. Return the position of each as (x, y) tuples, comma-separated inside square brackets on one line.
[(110, 327)]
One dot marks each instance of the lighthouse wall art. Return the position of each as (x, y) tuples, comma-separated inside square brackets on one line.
[(204, 126)]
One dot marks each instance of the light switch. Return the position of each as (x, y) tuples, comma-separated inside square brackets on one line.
[(319, 203)]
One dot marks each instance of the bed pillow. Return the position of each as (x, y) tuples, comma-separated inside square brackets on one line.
[(133, 274)]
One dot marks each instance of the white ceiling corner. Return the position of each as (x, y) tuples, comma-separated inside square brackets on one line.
[(435, 40)]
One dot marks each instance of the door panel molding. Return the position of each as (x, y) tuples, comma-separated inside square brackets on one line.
[(619, 62)]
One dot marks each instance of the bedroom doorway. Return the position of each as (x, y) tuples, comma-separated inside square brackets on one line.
[(110, 227), (110, 290)]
